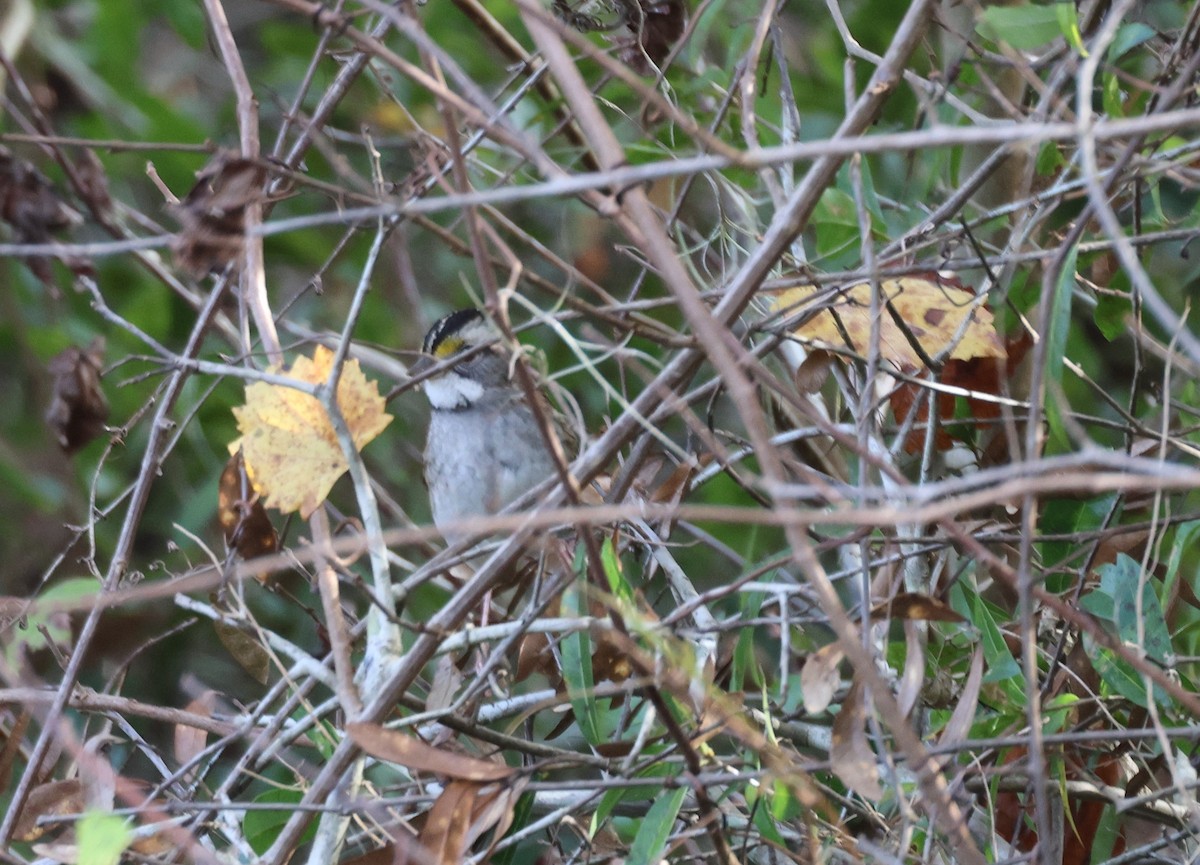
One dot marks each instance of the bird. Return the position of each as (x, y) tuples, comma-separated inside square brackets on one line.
[(484, 448)]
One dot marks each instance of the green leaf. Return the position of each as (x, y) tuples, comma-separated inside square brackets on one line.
[(40, 627), (610, 563), (1068, 24), (102, 838), (1049, 159), (1142, 627), (1129, 37), (262, 826), (651, 838), (1114, 106), (1023, 27), (835, 221), (766, 809), (744, 664), (1111, 314), (1056, 347), (636, 793), (577, 670), (1070, 517), (1001, 666)]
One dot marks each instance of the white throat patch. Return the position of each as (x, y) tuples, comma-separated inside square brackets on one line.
[(451, 391)]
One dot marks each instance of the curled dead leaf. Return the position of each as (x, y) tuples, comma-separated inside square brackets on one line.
[(78, 408), (244, 520), (819, 678), (190, 741), (810, 376), (396, 747), (655, 26), (963, 716), (915, 606), (213, 213), (850, 753), (463, 813), (31, 205), (48, 800)]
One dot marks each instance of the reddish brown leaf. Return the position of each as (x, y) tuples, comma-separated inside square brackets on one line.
[(78, 408), (671, 490), (213, 214), (248, 529), (810, 376), (48, 800), (462, 815), (396, 747), (534, 656), (914, 606), (389, 854)]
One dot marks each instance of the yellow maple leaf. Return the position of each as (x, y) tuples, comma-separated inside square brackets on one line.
[(291, 452), (934, 312)]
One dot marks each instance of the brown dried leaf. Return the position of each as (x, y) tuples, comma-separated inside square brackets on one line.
[(534, 656), (213, 214), (93, 182), (610, 661), (914, 606), (78, 408), (673, 487), (12, 744), (913, 677), (244, 520), (819, 678), (810, 376), (396, 747), (48, 800), (933, 311), (655, 26), (30, 204), (850, 753), (463, 814), (290, 449), (445, 836), (446, 681), (190, 741), (66, 852), (246, 650), (389, 854)]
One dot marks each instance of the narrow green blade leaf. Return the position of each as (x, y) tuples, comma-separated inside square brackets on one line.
[(656, 827)]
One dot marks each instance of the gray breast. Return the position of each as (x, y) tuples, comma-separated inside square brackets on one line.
[(479, 459)]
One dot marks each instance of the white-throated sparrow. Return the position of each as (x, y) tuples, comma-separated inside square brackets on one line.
[(484, 449)]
